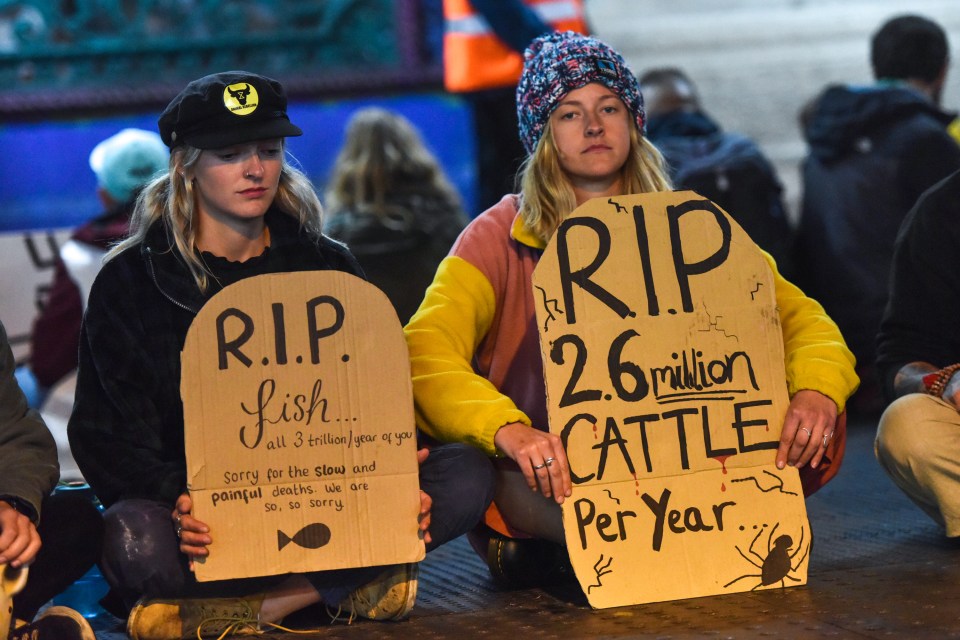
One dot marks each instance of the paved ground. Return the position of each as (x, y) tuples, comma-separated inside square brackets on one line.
[(879, 569)]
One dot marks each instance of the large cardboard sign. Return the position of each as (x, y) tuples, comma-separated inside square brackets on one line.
[(300, 443), (664, 366)]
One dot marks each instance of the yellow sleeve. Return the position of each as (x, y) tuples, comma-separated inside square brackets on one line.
[(453, 403), (815, 354)]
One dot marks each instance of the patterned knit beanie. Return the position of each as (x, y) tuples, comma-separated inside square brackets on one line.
[(558, 63)]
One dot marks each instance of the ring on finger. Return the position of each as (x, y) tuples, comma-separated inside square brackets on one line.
[(179, 531), (826, 438), (537, 467), (548, 461), (807, 431)]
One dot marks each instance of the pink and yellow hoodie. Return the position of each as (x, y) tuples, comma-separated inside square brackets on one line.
[(474, 344)]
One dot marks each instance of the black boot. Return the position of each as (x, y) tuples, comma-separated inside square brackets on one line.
[(527, 562)]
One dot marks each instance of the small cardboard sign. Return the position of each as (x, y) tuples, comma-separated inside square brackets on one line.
[(664, 366), (299, 427)]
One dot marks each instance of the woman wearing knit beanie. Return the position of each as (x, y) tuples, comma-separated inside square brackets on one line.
[(474, 346)]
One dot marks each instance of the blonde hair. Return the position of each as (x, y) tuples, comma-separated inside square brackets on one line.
[(383, 156), (171, 198), (548, 197)]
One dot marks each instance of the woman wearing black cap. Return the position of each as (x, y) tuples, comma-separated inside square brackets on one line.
[(229, 208)]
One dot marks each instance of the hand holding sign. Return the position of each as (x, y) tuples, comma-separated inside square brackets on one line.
[(194, 535), (810, 414), (426, 503), (540, 456)]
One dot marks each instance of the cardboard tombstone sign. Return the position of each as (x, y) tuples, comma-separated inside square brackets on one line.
[(664, 366), (299, 427)]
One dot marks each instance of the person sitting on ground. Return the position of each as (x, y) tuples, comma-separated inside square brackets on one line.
[(58, 549), (918, 357), (872, 151), (389, 201), (229, 208), (728, 168), (123, 163), (474, 344)]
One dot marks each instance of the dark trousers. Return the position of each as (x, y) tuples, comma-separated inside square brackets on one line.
[(142, 555), (71, 531)]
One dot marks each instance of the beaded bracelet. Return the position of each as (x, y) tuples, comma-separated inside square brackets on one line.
[(936, 382)]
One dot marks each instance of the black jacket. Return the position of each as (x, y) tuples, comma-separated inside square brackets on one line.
[(126, 430), (920, 323), (732, 171), (873, 151), (400, 255)]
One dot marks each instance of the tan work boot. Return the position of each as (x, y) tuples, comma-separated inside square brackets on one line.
[(390, 596), (159, 619)]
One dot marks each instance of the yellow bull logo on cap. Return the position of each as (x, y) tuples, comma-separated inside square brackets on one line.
[(240, 98)]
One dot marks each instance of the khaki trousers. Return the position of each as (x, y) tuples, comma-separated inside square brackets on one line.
[(918, 445)]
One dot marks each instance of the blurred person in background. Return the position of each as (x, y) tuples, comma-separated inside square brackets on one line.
[(483, 45), (390, 202), (727, 168), (872, 151), (123, 163)]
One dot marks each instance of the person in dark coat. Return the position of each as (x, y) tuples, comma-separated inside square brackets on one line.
[(873, 151), (918, 358), (123, 163), (484, 41), (728, 168), (390, 202)]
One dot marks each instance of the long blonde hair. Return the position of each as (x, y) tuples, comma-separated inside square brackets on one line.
[(383, 157), (547, 196), (171, 198)]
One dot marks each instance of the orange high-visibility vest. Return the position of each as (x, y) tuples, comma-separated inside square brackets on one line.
[(474, 58)]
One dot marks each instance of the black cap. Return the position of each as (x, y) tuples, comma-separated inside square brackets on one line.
[(227, 108)]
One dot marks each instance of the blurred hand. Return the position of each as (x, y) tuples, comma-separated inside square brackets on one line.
[(19, 540), (951, 392), (426, 502)]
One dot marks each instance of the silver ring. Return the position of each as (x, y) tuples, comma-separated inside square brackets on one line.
[(549, 461), (826, 438), (809, 435), (537, 467), (179, 531)]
